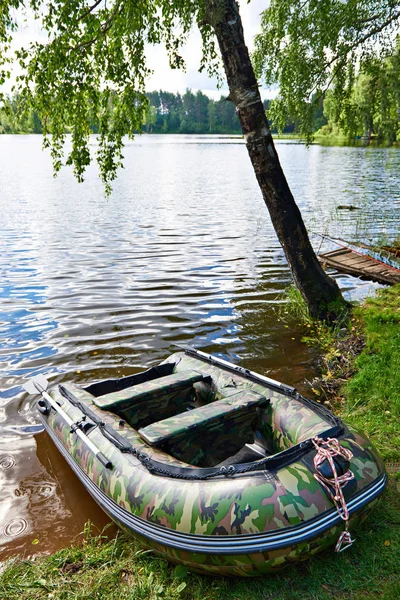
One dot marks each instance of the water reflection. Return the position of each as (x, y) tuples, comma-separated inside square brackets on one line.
[(35, 506), (183, 252)]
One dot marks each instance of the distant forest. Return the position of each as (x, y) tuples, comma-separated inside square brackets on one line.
[(371, 112), (191, 113), (168, 113)]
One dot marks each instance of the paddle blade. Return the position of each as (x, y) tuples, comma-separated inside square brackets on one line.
[(36, 385)]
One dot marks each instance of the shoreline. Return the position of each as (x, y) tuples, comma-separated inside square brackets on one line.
[(362, 383), (319, 140)]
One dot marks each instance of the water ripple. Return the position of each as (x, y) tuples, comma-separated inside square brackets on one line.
[(182, 253), (14, 528), (6, 462)]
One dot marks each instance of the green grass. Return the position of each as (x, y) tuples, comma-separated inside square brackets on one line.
[(372, 396), (120, 570), (366, 384)]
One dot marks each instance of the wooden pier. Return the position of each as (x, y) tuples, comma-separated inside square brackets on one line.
[(360, 265)]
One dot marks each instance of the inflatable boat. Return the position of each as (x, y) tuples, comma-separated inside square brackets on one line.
[(213, 466)]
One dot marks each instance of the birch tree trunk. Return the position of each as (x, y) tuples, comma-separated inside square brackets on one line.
[(320, 292)]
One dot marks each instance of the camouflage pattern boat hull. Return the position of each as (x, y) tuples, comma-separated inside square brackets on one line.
[(243, 521)]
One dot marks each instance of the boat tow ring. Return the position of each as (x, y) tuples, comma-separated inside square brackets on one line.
[(332, 466)]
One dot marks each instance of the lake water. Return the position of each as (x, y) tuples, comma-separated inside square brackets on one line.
[(183, 252)]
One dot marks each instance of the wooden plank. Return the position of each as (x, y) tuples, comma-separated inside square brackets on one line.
[(351, 262), (333, 253), (350, 258), (383, 268), (356, 261), (378, 269)]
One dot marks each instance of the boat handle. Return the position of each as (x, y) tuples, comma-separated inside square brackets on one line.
[(38, 385)]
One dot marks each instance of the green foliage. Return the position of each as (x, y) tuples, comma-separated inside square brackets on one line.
[(16, 118), (92, 69), (295, 306), (373, 106), (311, 46)]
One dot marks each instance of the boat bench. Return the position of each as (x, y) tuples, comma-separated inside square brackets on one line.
[(163, 397), (210, 434)]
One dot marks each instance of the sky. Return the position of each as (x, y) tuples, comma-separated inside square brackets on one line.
[(177, 81), (163, 77)]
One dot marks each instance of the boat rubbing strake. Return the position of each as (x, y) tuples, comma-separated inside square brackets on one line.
[(214, 466)]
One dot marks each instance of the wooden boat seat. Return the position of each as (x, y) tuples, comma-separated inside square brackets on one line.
[(207, 435), (163, 397)]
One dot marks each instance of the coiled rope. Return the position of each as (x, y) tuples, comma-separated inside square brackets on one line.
[(326, 451)]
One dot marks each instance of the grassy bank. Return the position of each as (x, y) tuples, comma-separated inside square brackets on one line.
[(370, 570), (361, 368), (372, 396), (120, 570)]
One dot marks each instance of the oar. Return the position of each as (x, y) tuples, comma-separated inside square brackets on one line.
[(38, 385), (232, 367)]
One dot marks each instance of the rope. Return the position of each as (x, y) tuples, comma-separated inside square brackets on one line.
[(322, 241), (326, 451)]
